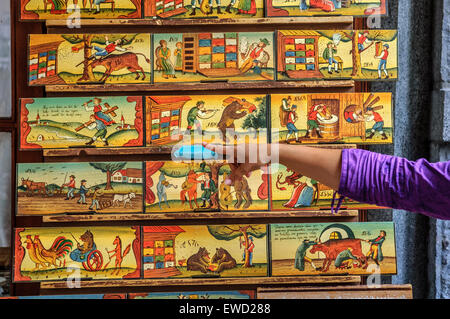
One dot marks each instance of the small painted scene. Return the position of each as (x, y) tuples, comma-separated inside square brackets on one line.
[(81, 122), (194, 295), (333, 249), (351, 118), (96, 187), (200, 187), (89, 59), (80, 9), (293, 191), (193, 119), (306, 8), (213, 57), (337, 54), (70, 297), (192, 9), (51, 254), (204, 251)]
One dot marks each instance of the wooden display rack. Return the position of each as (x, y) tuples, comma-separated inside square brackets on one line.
[(20, 89)]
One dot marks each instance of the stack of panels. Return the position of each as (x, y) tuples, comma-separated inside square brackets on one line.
[(169, 5), (42, 65), (231, 49), (204, 51), (165, 123), (158, 254), (300, 54), (218, 51)]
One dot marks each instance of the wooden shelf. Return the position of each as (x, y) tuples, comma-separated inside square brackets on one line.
[(287, 21), (260, 281), (203, 86), (196, 215)]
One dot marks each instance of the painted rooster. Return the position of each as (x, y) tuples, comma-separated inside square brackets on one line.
[(47, 257)]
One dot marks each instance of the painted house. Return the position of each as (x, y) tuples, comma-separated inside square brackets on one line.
[(129, 175)]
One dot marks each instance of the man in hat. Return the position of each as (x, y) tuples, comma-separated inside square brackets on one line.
[(249, 250), (209, 189), (71, 186), (253, 55), (382, 66), (300, 256), (197, 112), (97, 194), (328, 55), (99, 121), (108, 49), (313, 122), (375, 251), (83, 191), (363, 41), (379, 123)]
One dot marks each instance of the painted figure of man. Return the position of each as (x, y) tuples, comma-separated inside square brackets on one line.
[(209, 188), (375, 251), (164, 58), (71, 186), (363, 41), (95, 197), (291, 119), (382, 66), (379, 123), (83, 191), (313, 121), (345, 259), (108, 49), (253, 55), (329, 55), (249, 249), (300, 255), (197, 112), (161, 188)]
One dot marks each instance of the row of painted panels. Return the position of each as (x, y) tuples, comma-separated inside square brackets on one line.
[(165, 187), (110, 122), (97, 59), (176, 9), (215, 251)]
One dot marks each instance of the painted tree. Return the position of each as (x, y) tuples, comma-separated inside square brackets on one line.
[(109, 169), (353, 36), (86, 42), (230, 232), (257, 120)]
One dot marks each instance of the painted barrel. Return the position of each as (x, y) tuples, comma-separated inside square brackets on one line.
[(330, 128)]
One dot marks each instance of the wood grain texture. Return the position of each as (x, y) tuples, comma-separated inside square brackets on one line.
[(338, 292), (260, 281), (184, 216), (205, 86), (340, 20)]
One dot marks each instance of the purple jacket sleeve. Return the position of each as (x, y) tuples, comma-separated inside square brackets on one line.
[(394, 182)]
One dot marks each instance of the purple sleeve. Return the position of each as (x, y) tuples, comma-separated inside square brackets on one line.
[(394, 182)]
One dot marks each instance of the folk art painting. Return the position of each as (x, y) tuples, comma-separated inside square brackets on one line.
[(213, 56), (69, 297), (205, 251), (200, 187), (179, 9), (76, 9), (333, 249), (305, 8), (43, 254), (358, 118), (81, 122), (291, 191), (79, 188), (89, 59), (192, 119), (337, 54), (236, 294)]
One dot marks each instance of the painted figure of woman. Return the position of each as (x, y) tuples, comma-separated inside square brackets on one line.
[(178, 53), (164, 56)]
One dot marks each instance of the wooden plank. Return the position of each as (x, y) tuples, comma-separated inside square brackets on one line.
[(338, 292), (341, 20), (261, 281), (184, 216), (77, 152), (205, 86)]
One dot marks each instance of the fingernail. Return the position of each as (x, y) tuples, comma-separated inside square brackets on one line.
[(228, 182)]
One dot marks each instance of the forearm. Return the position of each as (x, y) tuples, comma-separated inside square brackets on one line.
[(320, 164)]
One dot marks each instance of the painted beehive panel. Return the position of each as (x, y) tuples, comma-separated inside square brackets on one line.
[(237, 294), (191, 119), (89, 59), (305, 8), (204, 251), (333, 249), (356, 118), (79, 9), (72, 253), (200, 187), (85, 187), (81, 122), (211, 57), (182, 9), (337, 54)]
